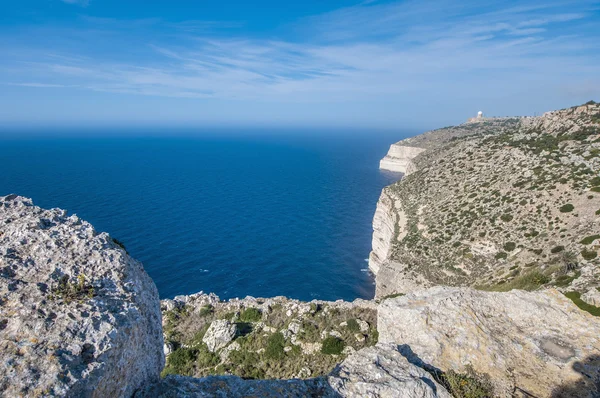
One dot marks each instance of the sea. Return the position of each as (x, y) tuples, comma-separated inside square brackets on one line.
[(238, 215)]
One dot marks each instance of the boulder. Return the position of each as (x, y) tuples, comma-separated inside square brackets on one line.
[(537, 343), (219, 334), (381, 371), (78, 316)]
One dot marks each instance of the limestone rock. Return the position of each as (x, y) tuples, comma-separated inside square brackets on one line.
[(398, 157), (381, 371), (534, 342), (236, 387), (219, 334), (592, 297), (97, 333)]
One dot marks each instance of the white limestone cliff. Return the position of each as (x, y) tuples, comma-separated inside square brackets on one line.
[(399, 157)]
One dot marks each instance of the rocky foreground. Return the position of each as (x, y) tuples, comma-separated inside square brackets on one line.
[(79, 317)]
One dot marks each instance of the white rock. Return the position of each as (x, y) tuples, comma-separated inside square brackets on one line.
[(381, 371), (537, 342), (108, 345), (219, 334)]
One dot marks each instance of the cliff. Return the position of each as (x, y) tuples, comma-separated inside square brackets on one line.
[(80, 318), (512, 203)]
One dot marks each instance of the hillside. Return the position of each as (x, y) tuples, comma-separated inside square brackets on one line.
[(512, 207)]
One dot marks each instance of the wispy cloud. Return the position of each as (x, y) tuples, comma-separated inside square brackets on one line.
[(372, 50)]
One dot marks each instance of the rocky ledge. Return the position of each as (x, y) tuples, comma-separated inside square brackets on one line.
[(80, 318)]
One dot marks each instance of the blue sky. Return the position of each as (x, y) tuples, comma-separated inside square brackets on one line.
[(370, 64)]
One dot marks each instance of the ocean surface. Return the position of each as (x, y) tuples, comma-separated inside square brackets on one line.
[(236, 215)]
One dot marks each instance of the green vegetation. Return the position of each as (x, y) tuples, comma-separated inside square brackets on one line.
[(595, 189), (589, 239), (468, 385), (589, 255), (595, 181), (501, 255), (557, 249), (275, 345), (185, 361), (510, 246), (529, 281), (68, 291), (576, 298), (353, 325), (506, 217), (567, 208), (250, 315), (391, 296), (332, 346)]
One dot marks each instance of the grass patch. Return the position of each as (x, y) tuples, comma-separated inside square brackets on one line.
[(557, 249), (353, 325), (575, 297), (529, 281)]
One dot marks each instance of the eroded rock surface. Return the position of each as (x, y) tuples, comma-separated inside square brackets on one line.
[(539, 342), (97, 334), (381, 371)]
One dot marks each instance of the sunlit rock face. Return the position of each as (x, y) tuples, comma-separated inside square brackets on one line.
[(78, 316)]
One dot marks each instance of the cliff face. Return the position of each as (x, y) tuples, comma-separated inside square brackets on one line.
[(78, 316), (399, 157), (514, 204)]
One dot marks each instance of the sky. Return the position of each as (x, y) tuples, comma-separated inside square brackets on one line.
[(311, 63)]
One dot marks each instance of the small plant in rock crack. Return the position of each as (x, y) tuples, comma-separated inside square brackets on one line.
[(72, 291)]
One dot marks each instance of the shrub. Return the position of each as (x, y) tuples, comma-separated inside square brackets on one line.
[(206, 310), (501, 255), (390, 296), (595, 189), (506, 217), (595, 181), (467, 385), (557, 249), (69, 291), (589, 255), (332, 346), (589, 239), (567, 208), (510, 246), (275, 344), (353, 325), (181, 361), (251, 315), (598, 212)]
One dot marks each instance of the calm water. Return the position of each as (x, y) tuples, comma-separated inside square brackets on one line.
[(235, 216)]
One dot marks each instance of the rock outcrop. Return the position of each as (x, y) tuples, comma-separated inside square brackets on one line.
[(78, 316), (382, 371), (539, 343), (220, 333)]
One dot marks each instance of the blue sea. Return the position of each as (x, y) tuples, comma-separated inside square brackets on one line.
[(237, 215)]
